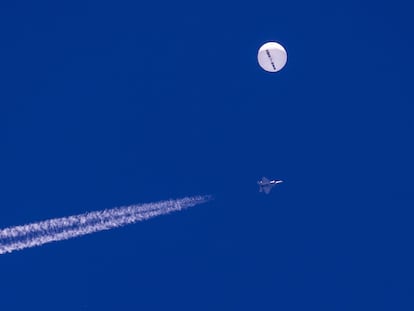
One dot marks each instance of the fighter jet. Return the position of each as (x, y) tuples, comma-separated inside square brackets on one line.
[(265, 185)]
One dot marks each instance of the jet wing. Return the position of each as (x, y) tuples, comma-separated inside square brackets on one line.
[(265, 181), (266, 189)]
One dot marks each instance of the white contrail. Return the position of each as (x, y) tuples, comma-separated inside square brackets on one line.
[(58, 229)]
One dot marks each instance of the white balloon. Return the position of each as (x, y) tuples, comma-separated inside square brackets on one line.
[(272, 56)]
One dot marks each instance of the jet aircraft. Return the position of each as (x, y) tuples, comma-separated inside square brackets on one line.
[(265, 185)]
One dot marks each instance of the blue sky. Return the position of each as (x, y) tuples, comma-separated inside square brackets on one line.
[(105, 104)]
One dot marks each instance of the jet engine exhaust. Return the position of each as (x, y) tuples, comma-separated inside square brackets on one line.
[(59, 229)]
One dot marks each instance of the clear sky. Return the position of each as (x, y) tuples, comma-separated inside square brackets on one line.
[(109, 103)]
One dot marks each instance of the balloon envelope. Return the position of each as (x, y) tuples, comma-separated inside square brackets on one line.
[(272, 56)]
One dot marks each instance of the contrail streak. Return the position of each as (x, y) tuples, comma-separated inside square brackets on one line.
[(59, 229)]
